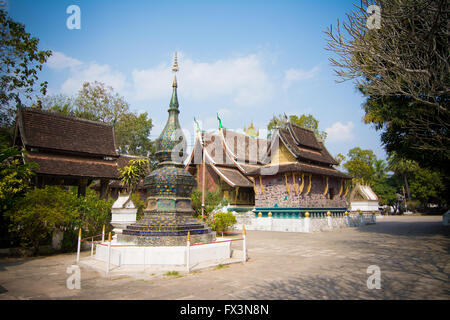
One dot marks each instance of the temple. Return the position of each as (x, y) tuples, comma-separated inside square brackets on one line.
[(67, 150), (286, 176)]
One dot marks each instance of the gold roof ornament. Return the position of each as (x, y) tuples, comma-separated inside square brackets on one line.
[(175, 70)]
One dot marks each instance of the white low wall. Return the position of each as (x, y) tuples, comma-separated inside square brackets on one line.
[(315, 223), (163, 255)]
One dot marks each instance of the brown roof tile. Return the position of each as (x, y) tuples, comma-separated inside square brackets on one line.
[(52, 131), (71, 166)]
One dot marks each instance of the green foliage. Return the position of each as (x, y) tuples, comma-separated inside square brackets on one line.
[(132, 132), (97, 102), (212, 200), (140, 206), (427, 187), (385, 189), (222, 221), (20, 61), (361, 165), (41, 211), (304, 121), (132, 174), (14, 177)]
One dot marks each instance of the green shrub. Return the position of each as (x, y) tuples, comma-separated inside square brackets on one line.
[(41, 211), (222, 221)]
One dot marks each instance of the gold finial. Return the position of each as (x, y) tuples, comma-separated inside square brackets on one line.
[(175, 63), (79, 233)]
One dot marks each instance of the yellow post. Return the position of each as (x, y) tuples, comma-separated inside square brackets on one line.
[(109, 237), (103, 234), (79, 245)]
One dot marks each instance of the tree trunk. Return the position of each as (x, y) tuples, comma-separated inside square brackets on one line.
[(408, 194)]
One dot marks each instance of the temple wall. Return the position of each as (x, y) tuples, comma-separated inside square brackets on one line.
[(211, 178), (275, 192), (317, 222)]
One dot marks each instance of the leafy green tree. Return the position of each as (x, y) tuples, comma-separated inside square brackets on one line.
[(381, 169), (40, 212), (14, 176), (304, 121), (222, 221), (132, 134), (361, 165), (20, 62), (98, 102), (132, 174), (404, 168), (427, 186), (212, 200)]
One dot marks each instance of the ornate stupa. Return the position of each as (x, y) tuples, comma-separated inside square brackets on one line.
[(168, 216)]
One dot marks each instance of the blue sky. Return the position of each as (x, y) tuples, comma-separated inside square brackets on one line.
[(247, 60)]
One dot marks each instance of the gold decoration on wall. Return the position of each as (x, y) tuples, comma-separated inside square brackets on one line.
[(342, 187), (326, 188), (346, 191), (295, 183), (254, 187), (261, 185), (303, 183), (287, 184), (310, 183)]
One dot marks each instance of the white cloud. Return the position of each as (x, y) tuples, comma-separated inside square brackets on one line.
[(59, 60), (339, 132), (94, 72), (241, 79), (293, 75)]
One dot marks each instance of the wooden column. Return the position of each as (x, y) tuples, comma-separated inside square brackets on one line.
[(82, 184), (103, 188)]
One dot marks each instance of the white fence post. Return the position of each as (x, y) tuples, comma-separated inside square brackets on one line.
[(79, 246), (188, 244), (92, 247), (108, 259), (361, 217), (330, 222), (244, 244), (347, 218), (307, 222)]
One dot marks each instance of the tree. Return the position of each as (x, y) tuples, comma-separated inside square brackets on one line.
[(132, 174), (20, 61), (361, 165), (40, 212), (98, 102), (381, 168), (427, 186), (403, 70), (404, 168), (132, 134), (304, 121)]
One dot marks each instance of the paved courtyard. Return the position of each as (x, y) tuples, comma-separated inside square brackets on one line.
[(411, 252)]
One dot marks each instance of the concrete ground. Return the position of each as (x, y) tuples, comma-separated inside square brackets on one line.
[(411, 252)]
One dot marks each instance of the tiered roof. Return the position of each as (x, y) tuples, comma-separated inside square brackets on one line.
[(237, 157)]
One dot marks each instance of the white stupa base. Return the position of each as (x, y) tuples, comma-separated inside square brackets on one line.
[(127, 255)]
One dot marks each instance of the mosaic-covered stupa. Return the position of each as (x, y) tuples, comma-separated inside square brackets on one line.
[(168, 216)]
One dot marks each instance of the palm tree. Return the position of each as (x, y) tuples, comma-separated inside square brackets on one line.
[(402, 167)]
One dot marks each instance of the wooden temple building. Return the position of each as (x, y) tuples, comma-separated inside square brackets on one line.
[(69, 151), (291, 173)]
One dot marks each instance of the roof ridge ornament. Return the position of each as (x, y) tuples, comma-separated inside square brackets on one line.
[(175, 69)]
